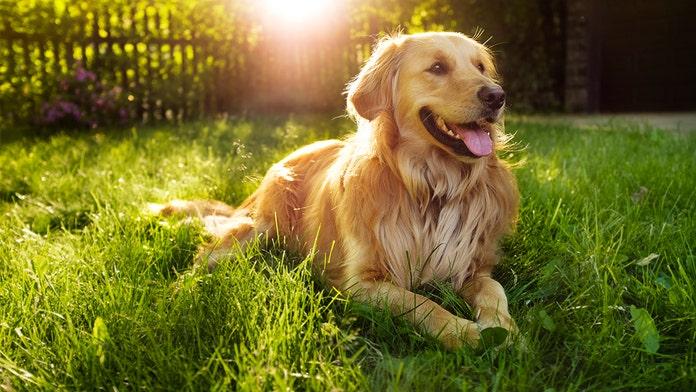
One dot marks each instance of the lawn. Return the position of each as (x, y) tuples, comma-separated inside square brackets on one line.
[(94, 293)]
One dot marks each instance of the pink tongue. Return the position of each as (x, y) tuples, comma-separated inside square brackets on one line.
[(476, 139)]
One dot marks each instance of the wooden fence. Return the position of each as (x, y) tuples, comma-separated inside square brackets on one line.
[(175, 64)]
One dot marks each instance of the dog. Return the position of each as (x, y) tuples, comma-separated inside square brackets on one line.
[(416, 196)]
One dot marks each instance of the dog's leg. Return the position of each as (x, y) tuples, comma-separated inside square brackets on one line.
[(192, 209), (229, 234), (487, 298), (230, 228), (421, 312)]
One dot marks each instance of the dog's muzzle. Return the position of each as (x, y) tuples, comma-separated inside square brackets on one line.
[(472, 139)]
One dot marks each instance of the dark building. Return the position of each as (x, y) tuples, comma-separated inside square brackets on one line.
[(630, 55)]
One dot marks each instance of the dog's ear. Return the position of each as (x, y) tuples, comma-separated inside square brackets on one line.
[(371, 91)]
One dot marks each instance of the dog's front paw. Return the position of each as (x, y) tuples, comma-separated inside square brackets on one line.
[(458, 333), (500, 331), (462, 332), (490, 318)]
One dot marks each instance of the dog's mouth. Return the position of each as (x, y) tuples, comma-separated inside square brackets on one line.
[(470, 139)]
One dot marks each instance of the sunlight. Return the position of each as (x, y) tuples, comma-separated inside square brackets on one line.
[(295, 13)]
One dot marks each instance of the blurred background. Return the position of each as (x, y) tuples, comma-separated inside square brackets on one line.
[(105, 62)]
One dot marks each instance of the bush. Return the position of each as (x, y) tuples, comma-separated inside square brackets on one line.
[(85, 102)]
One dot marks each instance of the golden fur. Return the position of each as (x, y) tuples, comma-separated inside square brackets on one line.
[(396, 206)]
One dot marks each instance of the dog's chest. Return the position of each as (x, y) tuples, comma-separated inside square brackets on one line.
[(435, 241)]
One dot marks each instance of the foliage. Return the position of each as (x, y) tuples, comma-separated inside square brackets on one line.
[(187, 59), (163, 54), (85, 102), (96, 294)]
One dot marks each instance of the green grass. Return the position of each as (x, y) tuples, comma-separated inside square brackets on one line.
[(94, 294)]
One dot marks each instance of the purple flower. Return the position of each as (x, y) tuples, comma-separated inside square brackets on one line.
[(84, 101), (82, 74), (51, 115)]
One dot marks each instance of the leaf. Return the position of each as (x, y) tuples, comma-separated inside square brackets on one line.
[(664, 280), (647, 259), (493, 337), (547, 321), (645, 328), (551, 267)]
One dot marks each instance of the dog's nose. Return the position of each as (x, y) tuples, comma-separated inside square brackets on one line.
[(492, 97)]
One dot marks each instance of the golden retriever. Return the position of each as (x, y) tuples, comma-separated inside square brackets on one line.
[(416, 196)]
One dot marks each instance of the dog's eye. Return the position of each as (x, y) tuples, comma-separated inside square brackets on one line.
[(438, 68), (481, 67)]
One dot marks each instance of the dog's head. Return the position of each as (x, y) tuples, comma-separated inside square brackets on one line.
[(440, 89)]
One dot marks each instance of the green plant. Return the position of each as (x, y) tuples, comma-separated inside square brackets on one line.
[(83, 101), (96, 294)]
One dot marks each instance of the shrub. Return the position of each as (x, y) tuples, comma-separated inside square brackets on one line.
[(85, 102)]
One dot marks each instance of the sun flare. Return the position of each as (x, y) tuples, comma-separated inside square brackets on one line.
[(295, 12)]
